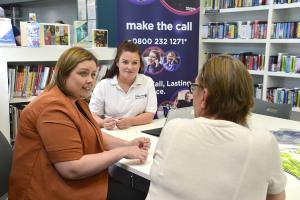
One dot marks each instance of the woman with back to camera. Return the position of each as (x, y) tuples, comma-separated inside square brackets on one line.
[(60, 152), (124, 97), (215, 155)]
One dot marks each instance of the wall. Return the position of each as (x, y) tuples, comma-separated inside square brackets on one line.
[(107, 19), (51, 10)]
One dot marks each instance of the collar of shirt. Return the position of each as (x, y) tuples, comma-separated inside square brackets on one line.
[(138, 81)]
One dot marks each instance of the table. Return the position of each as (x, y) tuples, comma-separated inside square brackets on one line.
[(255, 121)]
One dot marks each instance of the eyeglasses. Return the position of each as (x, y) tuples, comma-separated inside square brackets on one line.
[(192, 87)]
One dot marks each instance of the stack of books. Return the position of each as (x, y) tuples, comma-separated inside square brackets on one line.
[(235, 30), (285, 30), (223, 4), (284, 62)]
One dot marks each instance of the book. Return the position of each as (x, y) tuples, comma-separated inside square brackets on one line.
[(33, 34), (62, 33), (47, 34), (23, 31), (99, 37), (44, 78), (30, 34), (54, 34), (38, 80), (258, 91), (11, 81), (297, 65), (32, 17), (81, 33), (204, 32), (7, 37)]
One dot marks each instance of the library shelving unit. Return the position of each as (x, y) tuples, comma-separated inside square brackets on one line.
[(270, 13), (37, 55)]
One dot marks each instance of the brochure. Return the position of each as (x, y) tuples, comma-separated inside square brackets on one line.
[(289, 143)]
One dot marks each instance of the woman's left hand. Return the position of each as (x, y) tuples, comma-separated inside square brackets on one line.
[(141, 142), (123, 123)]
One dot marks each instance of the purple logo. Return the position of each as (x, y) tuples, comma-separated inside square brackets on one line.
[(182, 7)]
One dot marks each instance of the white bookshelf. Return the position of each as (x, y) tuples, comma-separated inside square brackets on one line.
[(285, 75), (286, 5), (24, 54), (296, 110), (285, 41), (258, 41), (21, 100), (269, 47), (245, 9), (256, 72)]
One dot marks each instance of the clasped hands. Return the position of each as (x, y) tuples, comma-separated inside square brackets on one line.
[(121, 122), (138, 149)]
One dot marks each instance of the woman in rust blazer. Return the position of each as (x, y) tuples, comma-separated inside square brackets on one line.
[(59, 152)]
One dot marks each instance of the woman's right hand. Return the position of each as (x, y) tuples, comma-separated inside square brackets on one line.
[(134, 152), (109, 123)]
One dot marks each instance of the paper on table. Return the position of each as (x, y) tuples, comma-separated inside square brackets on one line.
[(288, 137)]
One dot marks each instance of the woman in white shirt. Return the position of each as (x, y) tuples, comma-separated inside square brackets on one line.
[(125, 96), (215, 156)]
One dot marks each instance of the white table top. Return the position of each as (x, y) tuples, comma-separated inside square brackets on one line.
[(256, 122), (131, 133)]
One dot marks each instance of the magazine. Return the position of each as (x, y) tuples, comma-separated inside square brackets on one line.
[(291, 162), (289, 143)]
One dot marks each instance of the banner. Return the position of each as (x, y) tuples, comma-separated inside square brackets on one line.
[(167, 32)]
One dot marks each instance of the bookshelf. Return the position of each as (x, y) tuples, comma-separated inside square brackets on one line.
[(269, 46), (236, 41), (21, 100), (245, 9), (37, 55)]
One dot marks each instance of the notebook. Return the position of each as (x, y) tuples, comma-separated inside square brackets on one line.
[(187, 113)]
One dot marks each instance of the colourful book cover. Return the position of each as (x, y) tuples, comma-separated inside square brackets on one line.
[(99, 38), (49, 34), (33, 34), (62, 34), (81, 33), (54, 34)]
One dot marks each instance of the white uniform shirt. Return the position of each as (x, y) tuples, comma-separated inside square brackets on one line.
[(214, 159), (109, 99)]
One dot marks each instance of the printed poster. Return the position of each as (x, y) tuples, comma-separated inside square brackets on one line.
[(167, 32)]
